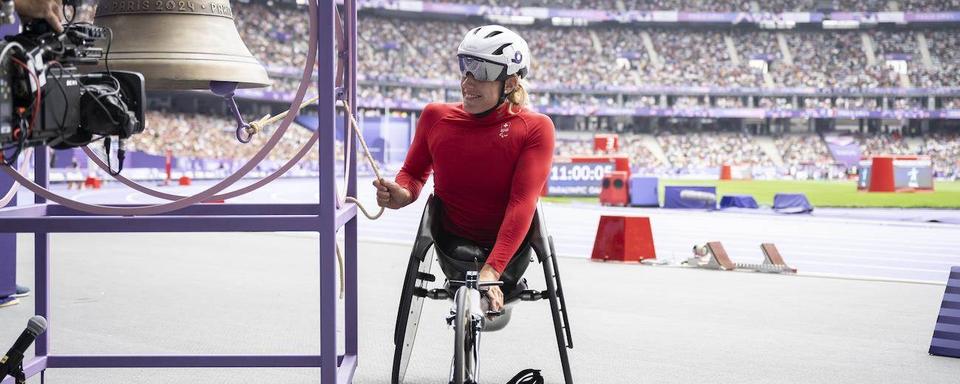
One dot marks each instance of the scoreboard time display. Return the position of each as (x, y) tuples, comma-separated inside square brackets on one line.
[(577, 179)]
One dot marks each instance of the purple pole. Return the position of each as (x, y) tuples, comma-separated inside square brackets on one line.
[(8, 241), (350, 236), (327, 227), (41, 253), (8, 249)]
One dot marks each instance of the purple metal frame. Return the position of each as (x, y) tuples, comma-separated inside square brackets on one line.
[(43, 218)]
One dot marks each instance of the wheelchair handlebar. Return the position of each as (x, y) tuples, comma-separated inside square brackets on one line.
[(482, 284)]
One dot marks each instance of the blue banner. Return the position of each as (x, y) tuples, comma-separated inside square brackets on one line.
[(845, 149)]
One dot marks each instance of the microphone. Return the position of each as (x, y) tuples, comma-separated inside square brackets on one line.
[(10, 363)]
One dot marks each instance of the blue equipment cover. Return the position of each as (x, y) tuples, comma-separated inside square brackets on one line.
[(643, 191), (671, 197), (738, 201), (791, 203)]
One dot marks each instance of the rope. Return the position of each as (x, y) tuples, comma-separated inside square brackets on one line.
[(340, 264), (257, 126), (24, 163), (370, 160)]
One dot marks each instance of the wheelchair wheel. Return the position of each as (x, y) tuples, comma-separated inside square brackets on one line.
[(461, 325), (408, 315)]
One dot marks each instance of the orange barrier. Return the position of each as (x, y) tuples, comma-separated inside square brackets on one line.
[(725, 172), (881, 174), (93, 182), (623, 238)]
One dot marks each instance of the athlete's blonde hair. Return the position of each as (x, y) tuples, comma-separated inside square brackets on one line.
[(519, 96)]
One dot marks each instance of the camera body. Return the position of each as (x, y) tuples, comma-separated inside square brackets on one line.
[(46, 100)]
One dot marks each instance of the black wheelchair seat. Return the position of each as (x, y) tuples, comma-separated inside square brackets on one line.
[(457, 255)]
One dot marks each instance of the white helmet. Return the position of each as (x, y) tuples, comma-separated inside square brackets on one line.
[(497, 44)]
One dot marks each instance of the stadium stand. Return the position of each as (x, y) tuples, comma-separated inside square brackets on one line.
[(725, 6), (204, 136), (583, 66)]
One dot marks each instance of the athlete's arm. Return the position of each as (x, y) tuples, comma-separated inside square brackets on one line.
[(529, 177), (416, 167)]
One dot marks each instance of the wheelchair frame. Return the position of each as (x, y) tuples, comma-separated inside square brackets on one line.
[(418, 276)]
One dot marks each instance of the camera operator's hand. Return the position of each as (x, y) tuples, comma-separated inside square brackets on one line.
[(49, 10)]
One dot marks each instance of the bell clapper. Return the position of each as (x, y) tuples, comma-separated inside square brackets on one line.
[(226, 90)]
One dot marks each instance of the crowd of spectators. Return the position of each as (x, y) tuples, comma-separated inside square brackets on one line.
[(630, 145), (803, 150), (945, 58), (211, 137), (379, 95), (640, 101), (397, 48), (276, 36), (701, 150), (856, 103), (775, 103), (565, 147), (394, 49), (884, 144), (728, 6), (687, 102), (729, 102), (812, 102), (570, 100), (944, 151), (803, 155), (707, 150), (640, 155)]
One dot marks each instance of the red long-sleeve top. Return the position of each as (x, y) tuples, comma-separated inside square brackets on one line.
[(488, 171)]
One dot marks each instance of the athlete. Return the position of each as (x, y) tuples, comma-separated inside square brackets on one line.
[(490, 155)]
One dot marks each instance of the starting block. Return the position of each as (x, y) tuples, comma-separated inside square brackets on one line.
[(714, 256), (772, 261)]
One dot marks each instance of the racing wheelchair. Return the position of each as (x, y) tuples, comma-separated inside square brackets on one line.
[(460, 261)]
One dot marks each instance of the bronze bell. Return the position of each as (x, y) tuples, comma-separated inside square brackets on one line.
[(182, 44)]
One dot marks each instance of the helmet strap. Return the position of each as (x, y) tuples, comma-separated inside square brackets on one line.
[(503, 96)]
